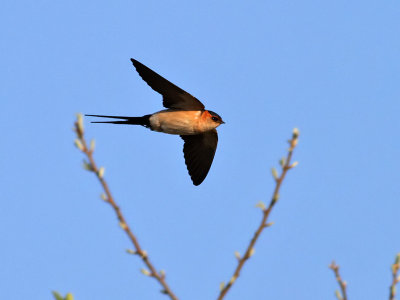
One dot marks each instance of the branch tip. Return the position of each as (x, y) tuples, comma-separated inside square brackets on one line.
[(79, 125), (296, 134), (397, 260), (395, 278), (286, 166), (342, 284)]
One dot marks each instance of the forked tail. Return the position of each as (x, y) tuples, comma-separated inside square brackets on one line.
[(144, 121)]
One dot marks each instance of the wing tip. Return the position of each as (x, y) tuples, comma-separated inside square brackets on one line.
[(197, 183), (135, 62)]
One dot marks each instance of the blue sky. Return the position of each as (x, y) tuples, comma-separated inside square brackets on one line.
[(330, 68)]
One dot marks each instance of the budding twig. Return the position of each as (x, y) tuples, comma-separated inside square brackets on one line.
[(286, 166), (343, 294), (396, 278), (91, 166)]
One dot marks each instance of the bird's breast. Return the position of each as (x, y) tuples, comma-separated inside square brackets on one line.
[(180, 122)]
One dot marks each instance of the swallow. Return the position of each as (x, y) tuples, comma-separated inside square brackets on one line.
[(184, 115)]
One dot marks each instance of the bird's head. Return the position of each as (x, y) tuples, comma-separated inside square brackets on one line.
[(212, 119)]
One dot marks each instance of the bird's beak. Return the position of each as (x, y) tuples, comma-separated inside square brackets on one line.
[(222, 122)]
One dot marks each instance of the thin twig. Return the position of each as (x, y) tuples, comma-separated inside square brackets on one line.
[(343, 284), (396, 278), (81, 143), (286, 166)]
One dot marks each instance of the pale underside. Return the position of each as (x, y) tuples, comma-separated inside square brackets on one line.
[(181, 122)]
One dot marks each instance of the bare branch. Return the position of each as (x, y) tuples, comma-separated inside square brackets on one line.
[(396, 277), (91, 166), (286, 166), (340, 295)]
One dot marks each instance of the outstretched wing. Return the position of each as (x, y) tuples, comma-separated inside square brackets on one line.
[(199, 151), (173, 96)]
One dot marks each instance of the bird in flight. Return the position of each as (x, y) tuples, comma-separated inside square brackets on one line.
[(184, 115)]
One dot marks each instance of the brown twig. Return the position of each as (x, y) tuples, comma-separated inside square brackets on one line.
[(286, 166), (81, 143), (396, 278), (343, 285)]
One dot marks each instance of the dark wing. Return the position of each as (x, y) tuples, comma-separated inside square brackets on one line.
[(173, 96), (199, 151)]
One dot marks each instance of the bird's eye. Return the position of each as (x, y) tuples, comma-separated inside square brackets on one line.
[(214, 119)]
